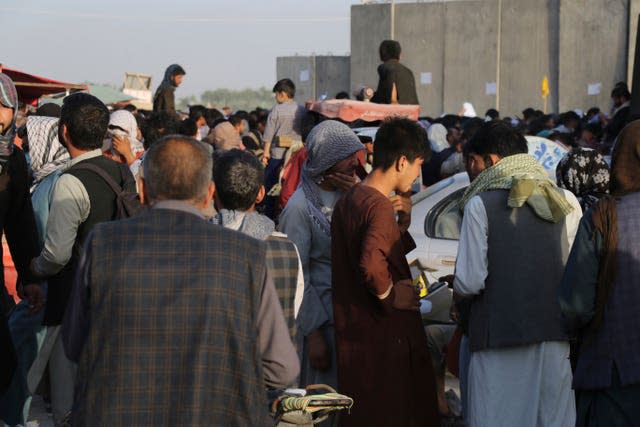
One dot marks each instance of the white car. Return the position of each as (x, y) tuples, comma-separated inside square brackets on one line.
[(435, 225)]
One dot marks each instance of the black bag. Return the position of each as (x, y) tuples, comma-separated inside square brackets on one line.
[(128, 203)]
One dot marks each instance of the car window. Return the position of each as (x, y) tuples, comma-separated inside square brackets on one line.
[(444, 219)]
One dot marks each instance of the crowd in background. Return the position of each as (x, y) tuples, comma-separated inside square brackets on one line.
[(326, 297)]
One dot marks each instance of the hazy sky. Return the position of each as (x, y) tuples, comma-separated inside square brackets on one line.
[(231, 44)]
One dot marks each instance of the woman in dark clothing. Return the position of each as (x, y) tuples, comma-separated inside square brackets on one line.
[(600, 295), (164, 98)]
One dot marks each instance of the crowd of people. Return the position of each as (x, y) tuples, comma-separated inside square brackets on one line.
[(179, 269)]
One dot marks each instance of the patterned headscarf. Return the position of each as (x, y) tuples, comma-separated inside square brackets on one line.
[(8, 98), (585, 173), (327, 144), (46, 154), (167, 81)]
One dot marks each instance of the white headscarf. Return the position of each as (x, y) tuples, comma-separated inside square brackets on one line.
[(123, 123), (437, 135), (468, 110)]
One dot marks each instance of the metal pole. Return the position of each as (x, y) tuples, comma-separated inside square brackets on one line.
[(498, 54), (393, 20), (634, 112)]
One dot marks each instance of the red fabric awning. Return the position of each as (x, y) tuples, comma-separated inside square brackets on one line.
[(31, 87), (350, 111)]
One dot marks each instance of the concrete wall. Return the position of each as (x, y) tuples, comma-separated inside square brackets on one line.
[(315, 75), (573, 42), (421, 32), (332, 75), (470, 49), (370, 24), (592, 53), (528, 53)]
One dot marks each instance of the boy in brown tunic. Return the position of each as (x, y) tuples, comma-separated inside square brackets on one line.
[(383, 361)]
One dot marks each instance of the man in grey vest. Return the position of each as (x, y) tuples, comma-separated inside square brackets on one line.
[(174, 321), (517, 230)]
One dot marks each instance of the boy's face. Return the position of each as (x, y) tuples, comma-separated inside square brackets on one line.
[(281, 97), (409, 171)]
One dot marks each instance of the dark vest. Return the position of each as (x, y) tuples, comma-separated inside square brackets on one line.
[(174, 304), (526, 257), (103, 207), (617, 342), (282, 261)]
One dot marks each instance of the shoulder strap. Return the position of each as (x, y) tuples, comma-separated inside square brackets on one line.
[(98, 170)]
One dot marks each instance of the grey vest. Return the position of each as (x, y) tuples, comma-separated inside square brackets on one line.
[(526, 258), (618, 339)]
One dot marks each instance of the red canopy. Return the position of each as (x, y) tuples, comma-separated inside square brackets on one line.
[(31, 87), (350, 111)]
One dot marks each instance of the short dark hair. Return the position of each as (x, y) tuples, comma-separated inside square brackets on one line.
[(498, 138), (342, 95), (238, 176), (492, 113), (177, 168), (621, 91), (86, 119), (389, 49), (470, 127), (397, 138), (188, 127), (197, 111), (286, 86), (449, 120), (159, 124), (568, 116), (212, 115), (48, 110), (235, 119)]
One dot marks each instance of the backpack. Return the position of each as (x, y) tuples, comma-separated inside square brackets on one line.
[(127, 202)]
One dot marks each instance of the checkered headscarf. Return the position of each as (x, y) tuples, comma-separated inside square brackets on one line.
[(46, 154)]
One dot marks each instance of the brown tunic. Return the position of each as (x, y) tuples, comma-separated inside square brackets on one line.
[(383, 362)]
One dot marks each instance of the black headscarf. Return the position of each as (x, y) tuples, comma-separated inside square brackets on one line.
[(167, 81)]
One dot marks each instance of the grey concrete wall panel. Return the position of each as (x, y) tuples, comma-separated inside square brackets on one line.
[(593, 46), (470, 54), (529, 51), (314, 75), (332, 75), (420, 29), (291, 67), (370, 24), (634, 11)]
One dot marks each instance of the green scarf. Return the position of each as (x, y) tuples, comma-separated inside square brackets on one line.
[(528, 182)]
